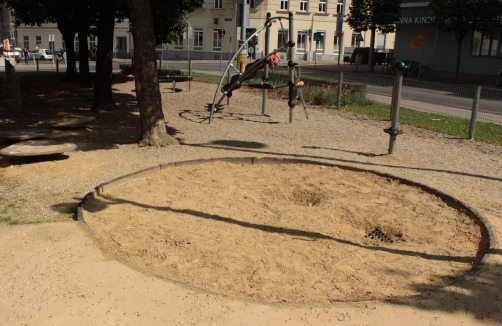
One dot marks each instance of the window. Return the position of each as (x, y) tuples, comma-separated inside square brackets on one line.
[(284, 4), (38, 40), (178, 44), (77, 44), (252, 4), (92, 42), (304, 5), (198, 37), (380, 43), (63, 45), (319, 43), (487, 44), (26, 42), (282, 39), (216, 40), (336, 45), (301, 41), (339, 6), (51, 44), (322, 6), (218, 4)]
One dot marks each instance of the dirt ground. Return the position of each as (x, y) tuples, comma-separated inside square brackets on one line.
[(233, 244)]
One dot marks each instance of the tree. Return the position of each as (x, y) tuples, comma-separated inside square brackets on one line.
[(169, 18), (153, 126), (463, 16), (381, 15), (103, 99)]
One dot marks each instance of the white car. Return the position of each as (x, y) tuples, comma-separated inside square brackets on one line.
[(13, 53), (41, 54)]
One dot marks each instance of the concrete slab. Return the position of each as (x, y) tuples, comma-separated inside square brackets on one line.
[(69, 122), (24, 133), (37, 148)]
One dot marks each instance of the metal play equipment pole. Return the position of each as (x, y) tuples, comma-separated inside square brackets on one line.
[(393, 131), (291, 68), (265, 73)]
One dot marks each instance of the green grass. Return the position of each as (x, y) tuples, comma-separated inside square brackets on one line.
[(319, 91), (485, 132), (8, 207)]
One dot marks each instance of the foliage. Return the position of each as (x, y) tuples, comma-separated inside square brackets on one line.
[(461, 17), (381, 15), (170, 18)]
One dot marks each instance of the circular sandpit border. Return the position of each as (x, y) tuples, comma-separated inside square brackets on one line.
[(483, 253)]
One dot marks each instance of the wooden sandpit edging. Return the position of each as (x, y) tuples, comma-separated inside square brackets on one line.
[(487, 245)]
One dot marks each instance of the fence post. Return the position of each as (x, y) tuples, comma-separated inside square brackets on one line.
[(16, 92), (340, 89), (474, 112), (38, 65), (57, 67), (189, 74)]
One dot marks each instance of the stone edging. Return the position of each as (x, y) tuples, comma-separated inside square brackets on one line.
[(486, 228)]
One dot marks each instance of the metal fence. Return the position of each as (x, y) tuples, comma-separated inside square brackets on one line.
[(443, 100)]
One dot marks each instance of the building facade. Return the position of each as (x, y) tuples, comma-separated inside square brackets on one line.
[(315, 32), (418, 40), (48, 36), (312, 17)]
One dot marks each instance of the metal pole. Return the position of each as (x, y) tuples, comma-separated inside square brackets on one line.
[(393, 131), (310, 39), (435, 48), (474, 113), (340, 45), (228, 82), (221, 52), (297, 79), (340, 89), (291, 68), (38, 65), (265, 72), (243, 37), (189, 74), (57, 67)]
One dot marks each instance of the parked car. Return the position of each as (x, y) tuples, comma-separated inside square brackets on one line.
[(41, 54), (13, 53)]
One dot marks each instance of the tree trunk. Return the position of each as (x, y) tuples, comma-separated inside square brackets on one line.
[(67, 29), (81, 7), (153, 125), (103, 99), (372, 48)]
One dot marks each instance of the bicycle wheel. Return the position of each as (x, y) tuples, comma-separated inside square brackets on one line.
[(498, 80), (391, 70), (425, 71)]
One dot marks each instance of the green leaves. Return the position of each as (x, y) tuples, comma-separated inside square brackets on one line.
[(378, 15)]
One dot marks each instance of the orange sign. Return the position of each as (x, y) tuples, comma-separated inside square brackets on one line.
[(417, 42)]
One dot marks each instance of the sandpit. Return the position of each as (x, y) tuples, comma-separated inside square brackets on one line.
[(285, 231)]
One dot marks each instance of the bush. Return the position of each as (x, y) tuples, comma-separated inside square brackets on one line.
[(169, 72), (126, 69)]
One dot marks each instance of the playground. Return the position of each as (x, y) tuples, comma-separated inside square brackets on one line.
[(291, 243)]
